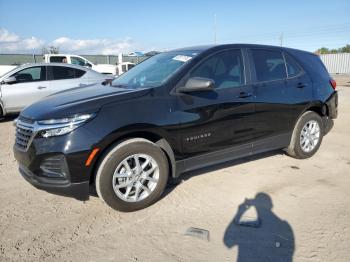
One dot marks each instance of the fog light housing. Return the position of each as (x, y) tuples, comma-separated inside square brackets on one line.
[(54, 167)]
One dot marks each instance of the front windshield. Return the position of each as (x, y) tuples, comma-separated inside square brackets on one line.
[(154, 71)]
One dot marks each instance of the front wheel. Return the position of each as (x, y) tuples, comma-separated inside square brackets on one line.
[(307, 136), (132, 175)]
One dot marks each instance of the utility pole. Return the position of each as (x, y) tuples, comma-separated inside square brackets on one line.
[(215, 29), (281, 39)]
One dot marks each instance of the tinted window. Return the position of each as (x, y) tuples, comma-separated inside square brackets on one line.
[(57, 59), (293, 68), (77, 61), (79, 73), (31, 74), (225, 68), (60, 72), (269, 65)]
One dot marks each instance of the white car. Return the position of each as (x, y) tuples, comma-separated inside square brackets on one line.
[(78, 60), (28, 83)]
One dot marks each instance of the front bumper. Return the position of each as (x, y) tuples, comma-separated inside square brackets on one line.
[(55, 166), (79, 191)]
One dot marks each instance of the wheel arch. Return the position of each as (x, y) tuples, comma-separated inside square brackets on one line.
[(151, 136)]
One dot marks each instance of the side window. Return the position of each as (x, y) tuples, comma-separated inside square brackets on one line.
[(63, 72), (79, 73), (32, 74), (269, 65), (293, 68), (77, 61), (225, 68), (58, 59)]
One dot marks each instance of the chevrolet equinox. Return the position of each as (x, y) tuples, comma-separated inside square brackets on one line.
[(177, 111)]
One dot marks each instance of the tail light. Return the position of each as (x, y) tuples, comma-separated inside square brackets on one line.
[(333, 83)]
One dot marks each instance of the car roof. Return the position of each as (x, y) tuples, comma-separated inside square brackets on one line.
[(203, 48), (63, 55), (54, 64)]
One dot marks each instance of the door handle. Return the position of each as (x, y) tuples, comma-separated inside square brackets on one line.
[(301, 85), (81, 85), (41, 87), (244, 95)]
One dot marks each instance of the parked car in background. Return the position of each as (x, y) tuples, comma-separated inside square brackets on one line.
[(175, 112), (28, 83), (124, 67), (78, 60)]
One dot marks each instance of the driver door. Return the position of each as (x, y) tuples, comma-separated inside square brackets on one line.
[(218, 119)]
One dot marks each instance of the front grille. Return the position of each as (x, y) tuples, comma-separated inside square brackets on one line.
[(24, 135)]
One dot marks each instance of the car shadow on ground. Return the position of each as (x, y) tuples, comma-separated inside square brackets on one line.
[(8, 118), (265, 238)]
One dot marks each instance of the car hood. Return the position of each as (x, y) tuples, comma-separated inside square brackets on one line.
[(79, 100)]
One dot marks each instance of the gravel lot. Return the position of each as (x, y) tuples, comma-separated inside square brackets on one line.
[(309, 220)]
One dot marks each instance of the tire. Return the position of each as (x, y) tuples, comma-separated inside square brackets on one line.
[(121, 160), (295, 148), (1, 113)]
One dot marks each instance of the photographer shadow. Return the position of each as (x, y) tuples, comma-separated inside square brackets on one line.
[(268, 238)]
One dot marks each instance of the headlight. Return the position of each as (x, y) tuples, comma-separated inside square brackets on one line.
[(62, 126)]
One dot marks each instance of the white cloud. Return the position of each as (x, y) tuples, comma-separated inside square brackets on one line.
[(7, 37), (94, 46), (12, 43)]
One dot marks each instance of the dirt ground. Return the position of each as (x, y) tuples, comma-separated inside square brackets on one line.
[(304, 207)]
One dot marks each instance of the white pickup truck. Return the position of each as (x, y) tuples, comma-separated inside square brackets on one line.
[(78, 60), (119, 69)]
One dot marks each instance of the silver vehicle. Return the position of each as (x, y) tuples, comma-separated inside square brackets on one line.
[(29, 83)]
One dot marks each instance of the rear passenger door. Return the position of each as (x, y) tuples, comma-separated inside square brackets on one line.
[(63, 77), (278, 98)]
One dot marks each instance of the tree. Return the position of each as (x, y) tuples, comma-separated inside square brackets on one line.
[(50, 50), (325, 50), (322, 50), (345, 49)]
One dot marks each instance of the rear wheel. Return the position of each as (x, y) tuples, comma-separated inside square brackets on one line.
[(307, 136), (132, 175)]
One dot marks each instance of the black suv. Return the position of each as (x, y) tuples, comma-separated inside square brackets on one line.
[(175, 112)]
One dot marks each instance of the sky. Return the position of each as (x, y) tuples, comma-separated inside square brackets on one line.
[(110, 27)]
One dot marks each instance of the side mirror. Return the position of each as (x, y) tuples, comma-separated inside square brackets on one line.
[(88, 64), (10, 80), (195, 84)]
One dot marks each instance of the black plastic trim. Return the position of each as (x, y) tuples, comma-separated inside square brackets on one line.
[(79, 191)]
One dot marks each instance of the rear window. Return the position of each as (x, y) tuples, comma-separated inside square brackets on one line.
[(62, 72), (269, 65), (57, 59)]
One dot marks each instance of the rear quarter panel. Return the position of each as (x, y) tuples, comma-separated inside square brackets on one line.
[(318, 73)]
